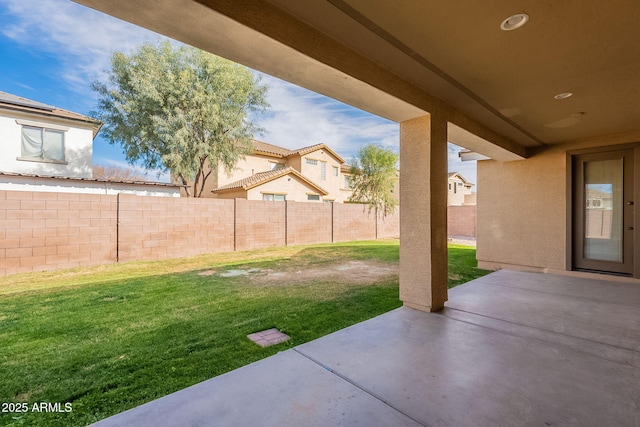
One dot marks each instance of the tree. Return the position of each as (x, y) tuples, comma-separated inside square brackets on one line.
[(373, 178), (180, 109)]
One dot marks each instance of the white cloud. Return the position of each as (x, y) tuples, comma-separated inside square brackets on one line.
[(298, 118), (82, 39)]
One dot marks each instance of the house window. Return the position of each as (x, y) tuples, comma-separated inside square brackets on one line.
[(271, 197), (311, 161), (313, 197), (347, 182), (335, 171), (275, 165), (42, 143), (323, 171), (449, 186)]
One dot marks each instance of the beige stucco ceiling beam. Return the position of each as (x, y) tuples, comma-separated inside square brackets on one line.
[(259, 35)]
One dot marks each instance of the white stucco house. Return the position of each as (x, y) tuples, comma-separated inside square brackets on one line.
[(459, 190), (45, 148)]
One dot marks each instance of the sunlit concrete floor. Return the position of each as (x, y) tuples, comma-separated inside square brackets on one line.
[(510, 349)]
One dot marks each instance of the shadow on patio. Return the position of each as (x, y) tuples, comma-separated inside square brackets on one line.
[(510, 348)]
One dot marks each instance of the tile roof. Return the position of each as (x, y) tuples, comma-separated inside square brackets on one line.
[(263, 147), (18, 103), (274, 150), (262, 177), (464, 180), (312, 148)]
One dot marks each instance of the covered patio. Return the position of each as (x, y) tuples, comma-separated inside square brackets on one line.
[(511, 348), (547, 93)]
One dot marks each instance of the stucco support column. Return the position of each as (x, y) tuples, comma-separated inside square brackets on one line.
[(423, 212)]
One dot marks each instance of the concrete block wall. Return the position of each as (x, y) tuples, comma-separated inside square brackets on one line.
[(353, 222), (461, 221), (167, 227), (309, 223), (389, 226), (259, 224), (47, 231)]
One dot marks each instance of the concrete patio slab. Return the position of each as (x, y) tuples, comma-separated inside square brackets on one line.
[(510, 349)]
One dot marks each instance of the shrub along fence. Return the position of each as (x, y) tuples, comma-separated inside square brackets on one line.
[(46, 231)]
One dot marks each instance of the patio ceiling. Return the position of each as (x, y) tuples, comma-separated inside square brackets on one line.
[(400, 59)]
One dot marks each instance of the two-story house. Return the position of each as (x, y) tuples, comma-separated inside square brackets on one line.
[(45, 148), (459, 191), (315, 173)]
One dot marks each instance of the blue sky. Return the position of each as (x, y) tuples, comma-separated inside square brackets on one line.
[(52, 50)]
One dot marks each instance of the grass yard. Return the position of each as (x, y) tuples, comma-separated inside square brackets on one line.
[(109, 338)]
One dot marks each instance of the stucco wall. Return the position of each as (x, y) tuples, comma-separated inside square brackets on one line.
[(521, 212), (332, 183), (294, 188), (246, 167), (78, 142)]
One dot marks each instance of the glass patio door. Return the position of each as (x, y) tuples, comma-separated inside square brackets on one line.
[(603, 212)]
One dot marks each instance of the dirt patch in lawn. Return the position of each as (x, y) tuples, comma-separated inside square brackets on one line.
[(361, 272)]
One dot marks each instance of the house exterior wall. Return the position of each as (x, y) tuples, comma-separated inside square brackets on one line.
[(524, 228), (250, 165), (78, 140), (457, 190), (293, 187), (330, 183)]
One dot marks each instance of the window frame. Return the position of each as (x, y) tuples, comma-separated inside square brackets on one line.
[(273, 197), (43, 128)]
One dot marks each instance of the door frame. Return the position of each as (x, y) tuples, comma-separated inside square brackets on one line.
[(572, 230)]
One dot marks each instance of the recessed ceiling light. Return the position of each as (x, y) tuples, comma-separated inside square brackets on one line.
[(514, 22), (563, 95)]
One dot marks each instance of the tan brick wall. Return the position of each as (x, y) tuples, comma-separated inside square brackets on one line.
[(389, 226), (46, 231), (167, 227), (308, 223), (461, 221), (353, 222), (259, 224)]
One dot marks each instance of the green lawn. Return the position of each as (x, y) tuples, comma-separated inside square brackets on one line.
[(109, 338)]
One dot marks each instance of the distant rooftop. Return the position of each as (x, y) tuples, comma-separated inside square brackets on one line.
[(18, 103)]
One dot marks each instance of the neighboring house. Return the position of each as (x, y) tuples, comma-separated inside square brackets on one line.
[(315, 173), (45, 148), (459, 191), (40, 139)]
